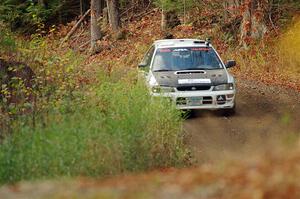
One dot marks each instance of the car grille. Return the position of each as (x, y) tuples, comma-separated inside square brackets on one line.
[(193, 88), (207, 100)]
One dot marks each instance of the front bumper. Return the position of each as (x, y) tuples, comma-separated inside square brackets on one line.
[(208, 99)]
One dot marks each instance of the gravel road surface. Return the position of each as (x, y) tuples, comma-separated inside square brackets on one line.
[(265, 116)]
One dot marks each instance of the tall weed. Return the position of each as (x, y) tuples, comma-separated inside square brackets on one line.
[(112, 128), (84, 120)]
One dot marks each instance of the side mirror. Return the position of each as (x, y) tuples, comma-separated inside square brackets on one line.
[(142, 65), (230, 63)]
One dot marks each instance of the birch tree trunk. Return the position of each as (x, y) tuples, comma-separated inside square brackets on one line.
[(95, 27), (253, 26), (163, 20)]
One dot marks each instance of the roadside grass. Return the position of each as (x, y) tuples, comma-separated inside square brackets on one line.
[(114, 129), (85, 121)]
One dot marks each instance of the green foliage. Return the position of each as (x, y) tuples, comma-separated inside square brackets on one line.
[(70, 127), (117, 127), (29, 15), (7, 42), (21, 13)]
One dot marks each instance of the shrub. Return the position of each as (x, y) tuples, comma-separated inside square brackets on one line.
[(113, 128), (84, 121)]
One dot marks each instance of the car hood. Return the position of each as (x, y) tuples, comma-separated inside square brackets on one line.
[(191, 78)]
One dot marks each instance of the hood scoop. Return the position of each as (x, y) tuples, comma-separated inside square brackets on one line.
[(189, 72)]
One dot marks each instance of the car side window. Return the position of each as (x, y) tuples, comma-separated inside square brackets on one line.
[(148, 57)]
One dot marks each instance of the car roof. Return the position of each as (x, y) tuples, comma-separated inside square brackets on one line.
[(167, 43)]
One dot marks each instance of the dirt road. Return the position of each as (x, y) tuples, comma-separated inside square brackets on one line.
[(265, 116)]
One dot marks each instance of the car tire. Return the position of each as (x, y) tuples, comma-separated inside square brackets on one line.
[(229, 111), (187, 114)]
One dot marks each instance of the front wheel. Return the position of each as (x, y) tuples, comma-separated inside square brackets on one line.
[(229, 111), (187, 114)]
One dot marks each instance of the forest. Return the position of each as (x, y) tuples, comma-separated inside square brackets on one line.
[(75, 115)]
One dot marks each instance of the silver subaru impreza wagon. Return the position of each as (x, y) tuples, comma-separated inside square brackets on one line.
[(191, 73)]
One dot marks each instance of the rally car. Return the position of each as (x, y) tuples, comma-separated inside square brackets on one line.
[(191, 73)]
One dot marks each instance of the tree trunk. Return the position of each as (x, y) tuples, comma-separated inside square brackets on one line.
[(169, 20), (81, 7), (259, 27), (105, 17), (253, 27), (114, 15), (95, 27), (163, 20)]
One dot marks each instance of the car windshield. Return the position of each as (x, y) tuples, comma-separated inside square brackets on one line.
[(186, 58)]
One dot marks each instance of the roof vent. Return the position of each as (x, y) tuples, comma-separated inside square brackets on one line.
[(199, 42)]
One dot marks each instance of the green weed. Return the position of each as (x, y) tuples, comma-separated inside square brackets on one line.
[(113, 128), (83, 120)]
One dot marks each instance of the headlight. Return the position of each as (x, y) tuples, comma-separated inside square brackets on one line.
[(224, 87), (162, 89)]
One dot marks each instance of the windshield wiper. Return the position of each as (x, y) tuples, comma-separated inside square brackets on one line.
[(162, 70), (201, 68), (194, 69)]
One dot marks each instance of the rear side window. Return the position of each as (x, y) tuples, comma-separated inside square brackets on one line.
[(148, 57)]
